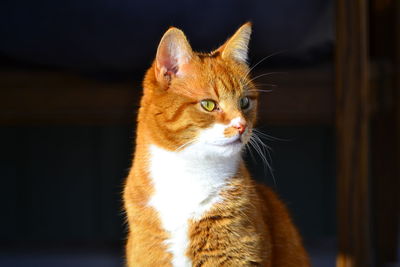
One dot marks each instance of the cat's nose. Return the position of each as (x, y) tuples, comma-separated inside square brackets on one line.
[(241, 127)]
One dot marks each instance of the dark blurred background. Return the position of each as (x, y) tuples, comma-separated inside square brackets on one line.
[(70, 82)]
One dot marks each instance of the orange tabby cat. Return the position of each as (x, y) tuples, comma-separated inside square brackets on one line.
[(189, 198)]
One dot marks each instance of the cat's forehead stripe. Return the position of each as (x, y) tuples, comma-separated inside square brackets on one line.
[(227, 84), (216, 90), (221, 75)]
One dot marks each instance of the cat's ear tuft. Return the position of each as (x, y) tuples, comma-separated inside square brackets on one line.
[(236, 47), (173, 53)]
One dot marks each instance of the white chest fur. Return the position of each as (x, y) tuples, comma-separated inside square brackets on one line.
[(185, 188)]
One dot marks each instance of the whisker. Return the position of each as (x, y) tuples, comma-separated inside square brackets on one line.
[(261, 142), (269, 137), (263, 59), (185, 144), (260, 151), (262, 75), (263, 149), (267, 148), (267, 74), (260, 90), (256, 148), (266, 84), (248, 147)]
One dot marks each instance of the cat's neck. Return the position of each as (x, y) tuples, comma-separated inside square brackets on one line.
[(210, 168), (187, 172), (186, 186)]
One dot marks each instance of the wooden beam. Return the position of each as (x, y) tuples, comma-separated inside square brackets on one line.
[(352, 131), (385, 129), (56, 98)]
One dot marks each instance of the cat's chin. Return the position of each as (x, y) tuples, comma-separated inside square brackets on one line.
[(213, 150), (227, 150)]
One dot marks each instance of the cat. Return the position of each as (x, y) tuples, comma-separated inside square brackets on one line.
[(189, 199)]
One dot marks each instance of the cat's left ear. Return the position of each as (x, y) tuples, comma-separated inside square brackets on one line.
[(173, 53), (236, 47)]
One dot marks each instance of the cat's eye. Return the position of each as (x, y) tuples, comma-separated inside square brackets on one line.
[(244, 103), (208, 104)]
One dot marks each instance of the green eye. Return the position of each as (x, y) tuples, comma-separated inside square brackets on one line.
[(244, 102), (208, 105)]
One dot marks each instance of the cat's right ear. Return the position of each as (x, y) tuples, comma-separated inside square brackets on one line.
[(173, 53), (237, 46)]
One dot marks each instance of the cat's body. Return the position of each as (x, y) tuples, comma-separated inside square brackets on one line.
[(189, 198)]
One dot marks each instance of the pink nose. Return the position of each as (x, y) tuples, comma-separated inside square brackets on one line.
[(241, 127)]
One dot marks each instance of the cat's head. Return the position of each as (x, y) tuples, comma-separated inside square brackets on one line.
[(202, 103)]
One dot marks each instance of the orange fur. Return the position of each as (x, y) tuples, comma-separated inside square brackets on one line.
[(251, 226)]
